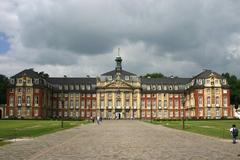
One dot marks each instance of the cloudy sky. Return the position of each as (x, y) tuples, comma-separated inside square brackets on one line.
[(79, 38)]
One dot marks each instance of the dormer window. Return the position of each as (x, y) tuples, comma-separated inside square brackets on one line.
[(12, 81), (216, 82), (71, 87), (109, 78), (82, 87), (65, 87), (224, 82), (36, 81), (29, 81), (159, 87), (170, 87), (176, 87), (153, 87), (200, 81), (165, 87), (148, 87), (88, 87), (127, 78), (20, 81), (60, 87)]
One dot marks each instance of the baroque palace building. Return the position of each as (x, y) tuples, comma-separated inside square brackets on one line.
[(118, 94)]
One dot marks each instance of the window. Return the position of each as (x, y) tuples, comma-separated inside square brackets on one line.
[(159, 104), (29, 81), (154, 104), (88, 103), (36, 81), (28, 101), (60, 87), (11, 112), (209, 112), (19, 100), (20, 81), (71, 87), (12, 81), (224, 82), (217, 101), (77, 104), (109, 78), (176, 87), (110, 103), (208, 101), (66, 104), (88, 87), (200, 101), (65, 87), (159, 87), (28, 112), (225, 101), (71, 104), (19, 111), (11, 101), (82, 87), (148, 87), (134, 104), (148, 104), (165, 87), (165, 104), (127, 78), (143, 103), (217, 112), (176, 103), (127, 103), (153, 87), (76, 86), (93, 103), (216, 82), (102, 104), (82, 104), (170, 103)]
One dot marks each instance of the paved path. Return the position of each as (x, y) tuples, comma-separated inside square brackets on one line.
[(123, 140)]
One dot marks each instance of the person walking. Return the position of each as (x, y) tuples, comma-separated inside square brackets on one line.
[(234, 133), (98, 119)]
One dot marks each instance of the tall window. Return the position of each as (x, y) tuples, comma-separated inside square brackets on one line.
[(36, 100), (19, 100), (88, 103), (82, 104), (159, 104), (200, 101), (11, 101), (71, 104), (176, 103), (143, 103), (170, 103), (28, 101), (93, 103), (77, 104), (165, 103), (225, 101), (208, 101), (135, 104), (154, 104), (148, 103), (102, 104), (217, 101), (110, 103)]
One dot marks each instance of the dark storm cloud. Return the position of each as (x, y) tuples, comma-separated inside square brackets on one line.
[(199, 34)]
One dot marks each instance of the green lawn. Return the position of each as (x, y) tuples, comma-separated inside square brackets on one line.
[(214, 128), (10, 129)]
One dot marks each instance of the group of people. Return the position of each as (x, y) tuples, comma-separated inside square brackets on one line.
[(98, 119)]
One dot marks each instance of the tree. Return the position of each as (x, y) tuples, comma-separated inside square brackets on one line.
[(234, 84), (3, 88), (154, 75)]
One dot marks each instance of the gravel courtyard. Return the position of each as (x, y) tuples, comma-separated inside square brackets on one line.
[(121, 139)]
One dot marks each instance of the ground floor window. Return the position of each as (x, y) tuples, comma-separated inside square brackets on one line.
[(36, 112), (11, 112)]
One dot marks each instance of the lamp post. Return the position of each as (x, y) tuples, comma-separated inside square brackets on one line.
[(62, 101), (183, 99)]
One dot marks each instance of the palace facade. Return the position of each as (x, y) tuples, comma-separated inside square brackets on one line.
[(118, 94)]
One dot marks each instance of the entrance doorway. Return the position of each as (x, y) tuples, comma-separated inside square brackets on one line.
[(118, 115)]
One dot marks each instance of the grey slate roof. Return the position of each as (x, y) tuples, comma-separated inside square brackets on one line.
[(29, 72), (113, 73), (72, 80), (165, 80), (206, 73)]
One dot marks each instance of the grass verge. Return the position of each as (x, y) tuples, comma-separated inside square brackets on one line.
[(214, 128), (11, 129)]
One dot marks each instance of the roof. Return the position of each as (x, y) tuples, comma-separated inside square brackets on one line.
[(113, 73), (165, 80), (28, 72), (206, 73), (72, 80)]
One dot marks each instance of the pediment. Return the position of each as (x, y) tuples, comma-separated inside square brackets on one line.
[(118, 84)]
